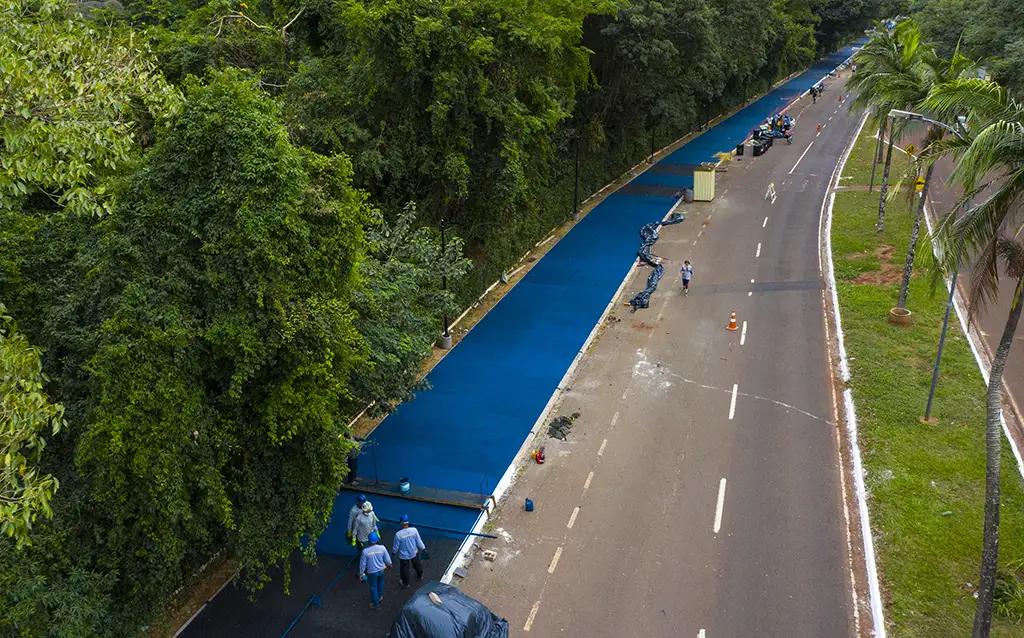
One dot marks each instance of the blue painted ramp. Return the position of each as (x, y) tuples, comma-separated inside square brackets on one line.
[(489, 391)]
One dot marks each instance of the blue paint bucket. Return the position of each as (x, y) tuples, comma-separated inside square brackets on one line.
[(529, 505), (403, 484)]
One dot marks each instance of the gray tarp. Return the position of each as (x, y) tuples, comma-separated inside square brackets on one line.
[(458, 616)]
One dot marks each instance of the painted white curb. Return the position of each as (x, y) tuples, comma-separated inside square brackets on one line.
[(860, 488), (461, 558)]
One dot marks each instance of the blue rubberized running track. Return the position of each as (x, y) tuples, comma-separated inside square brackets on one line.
[(489, 391)]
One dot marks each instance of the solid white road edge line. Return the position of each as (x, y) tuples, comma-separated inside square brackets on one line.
[(874, 591), (462, 556), (720, 506), (801, 157)]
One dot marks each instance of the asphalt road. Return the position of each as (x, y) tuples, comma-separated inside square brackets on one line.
[(699, 492)]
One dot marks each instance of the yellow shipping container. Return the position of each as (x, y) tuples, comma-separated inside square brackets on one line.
[(704, 183)]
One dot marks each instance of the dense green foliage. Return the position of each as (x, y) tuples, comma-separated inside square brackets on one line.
[(987, 30), (209, 242), (26, 417), (474, 109)]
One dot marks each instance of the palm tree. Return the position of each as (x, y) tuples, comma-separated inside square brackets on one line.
[(915, 88), (887, 77), (993, 158)]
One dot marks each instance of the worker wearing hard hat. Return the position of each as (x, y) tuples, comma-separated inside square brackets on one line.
[(408, 545), (372, 563), (353, 513)]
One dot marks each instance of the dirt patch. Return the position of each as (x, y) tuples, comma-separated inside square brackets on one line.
[(888, 273), (643, 326)]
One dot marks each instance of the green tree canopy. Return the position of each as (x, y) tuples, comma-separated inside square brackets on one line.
[(26, 417), (73, 102)]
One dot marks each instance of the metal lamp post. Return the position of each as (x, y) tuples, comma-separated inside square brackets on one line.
[(446, 338), (908, 115), (576, 183)]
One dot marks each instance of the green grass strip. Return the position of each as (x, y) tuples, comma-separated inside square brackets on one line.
[(925, 482)]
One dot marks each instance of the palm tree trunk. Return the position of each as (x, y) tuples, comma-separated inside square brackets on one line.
[(880, 226), (908, 265), (993, 448)]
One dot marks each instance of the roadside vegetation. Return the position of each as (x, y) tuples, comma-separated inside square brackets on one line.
[(926, 481)]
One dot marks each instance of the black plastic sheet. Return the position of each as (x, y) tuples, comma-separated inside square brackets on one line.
[(458, 616), (649, 235)]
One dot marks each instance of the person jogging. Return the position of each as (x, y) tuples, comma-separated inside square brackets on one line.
[(408, 545), (687, 272)]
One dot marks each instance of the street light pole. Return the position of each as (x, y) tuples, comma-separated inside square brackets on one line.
[(952, 289), (942, 342), (576, 183), (874, 158), (446, 338)]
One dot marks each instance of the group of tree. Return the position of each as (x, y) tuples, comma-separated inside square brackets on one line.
[(978, 123), (219, 241), (990, 31)]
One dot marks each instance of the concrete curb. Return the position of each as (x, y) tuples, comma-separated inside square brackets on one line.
[(463, 557), (849, 409)]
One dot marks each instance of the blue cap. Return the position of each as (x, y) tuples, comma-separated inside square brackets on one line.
[(360, 499), (374, 537), (404, 519)]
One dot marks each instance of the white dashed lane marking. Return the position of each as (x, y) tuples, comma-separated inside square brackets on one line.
[(554, 561), (718, 508)]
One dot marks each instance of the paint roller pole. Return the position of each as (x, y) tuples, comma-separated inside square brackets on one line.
[(373, 451), (446, 338)]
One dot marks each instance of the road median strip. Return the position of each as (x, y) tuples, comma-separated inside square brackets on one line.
[(925, 482)]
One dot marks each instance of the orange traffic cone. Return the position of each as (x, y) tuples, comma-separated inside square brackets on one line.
[(819, 127), (732, 323)]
